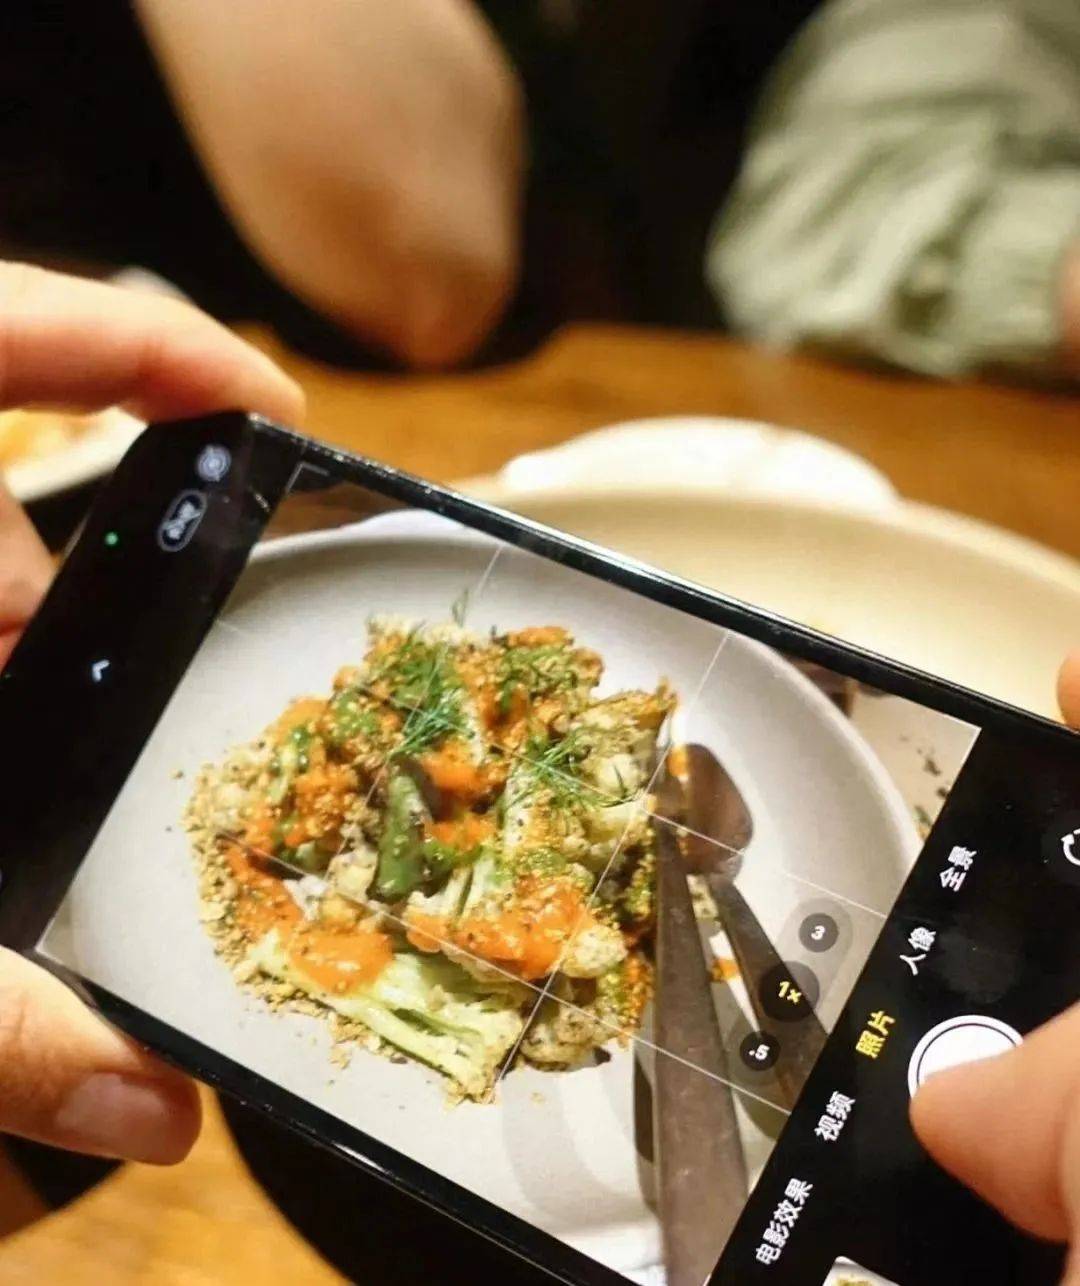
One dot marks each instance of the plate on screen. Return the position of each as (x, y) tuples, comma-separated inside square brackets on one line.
[(561, 1150)]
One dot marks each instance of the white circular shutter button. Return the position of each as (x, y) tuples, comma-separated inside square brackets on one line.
[(966, 1039)]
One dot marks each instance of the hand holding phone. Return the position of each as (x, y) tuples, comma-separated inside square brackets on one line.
[(67, 1077), (1010, 1128)]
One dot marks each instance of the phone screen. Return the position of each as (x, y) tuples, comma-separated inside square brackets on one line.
[(619, 922)]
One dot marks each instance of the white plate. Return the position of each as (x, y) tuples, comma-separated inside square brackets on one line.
[(810, 532), (557, 1150), (844, 1271)]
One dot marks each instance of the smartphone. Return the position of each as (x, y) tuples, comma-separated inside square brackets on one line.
[(616, 919)]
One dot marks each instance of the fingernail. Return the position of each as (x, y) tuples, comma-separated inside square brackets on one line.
[(128, 1117)]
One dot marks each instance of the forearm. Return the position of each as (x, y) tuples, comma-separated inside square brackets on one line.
[(369, 154)]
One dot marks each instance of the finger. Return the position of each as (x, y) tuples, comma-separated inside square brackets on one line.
[(25, 571), (1009, 1128), (83, 345), (1070, 1186), (1069, 689), (68, 1079)]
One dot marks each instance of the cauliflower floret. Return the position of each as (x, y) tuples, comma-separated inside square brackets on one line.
[(619, 774), (352, 873), (617, 827), (228, 806), (594, 950), (560, 1036), (306, 892)]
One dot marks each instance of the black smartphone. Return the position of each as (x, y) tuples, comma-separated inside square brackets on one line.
[(616, 919)]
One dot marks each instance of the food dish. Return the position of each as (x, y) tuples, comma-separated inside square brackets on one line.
[(460, 817), (46, 452)]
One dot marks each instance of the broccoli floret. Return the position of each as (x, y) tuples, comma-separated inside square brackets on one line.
[(636, 904), (427, 1007), (623, 992)]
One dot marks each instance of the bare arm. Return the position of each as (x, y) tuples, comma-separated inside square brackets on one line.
[(369, 153)]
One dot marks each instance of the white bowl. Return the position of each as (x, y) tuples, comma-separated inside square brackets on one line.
[(809, 532)]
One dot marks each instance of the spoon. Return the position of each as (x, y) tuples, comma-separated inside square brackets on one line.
[(715, 814)]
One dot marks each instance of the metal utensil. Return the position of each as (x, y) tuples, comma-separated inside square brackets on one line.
[(701, 1169), (715, 813)]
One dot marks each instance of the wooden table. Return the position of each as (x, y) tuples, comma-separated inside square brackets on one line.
[(1008, 456)]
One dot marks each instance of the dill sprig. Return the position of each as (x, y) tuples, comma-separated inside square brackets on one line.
[(459, 609), (552, 768), (410, 669), (424, 686), (425, 726)]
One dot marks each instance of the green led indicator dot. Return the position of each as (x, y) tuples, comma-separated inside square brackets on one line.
[(112, 539)]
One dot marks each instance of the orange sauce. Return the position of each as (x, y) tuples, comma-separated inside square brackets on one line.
[(425, 932), (262, 902), (527, 939), (339, 960), (320, 796), (301, 712), (463, 832), (453, 771), (724, 969), (539, 636)]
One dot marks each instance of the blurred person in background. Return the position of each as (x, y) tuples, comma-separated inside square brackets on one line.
[(911, 190), (440, 181), (349, 172)]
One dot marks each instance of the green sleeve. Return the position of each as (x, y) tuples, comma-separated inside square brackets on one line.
[(911, 186)]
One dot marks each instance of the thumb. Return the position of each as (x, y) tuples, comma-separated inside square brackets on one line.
[(25, 571), (1009, 1128), (1069, 689), (68, 1079)]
